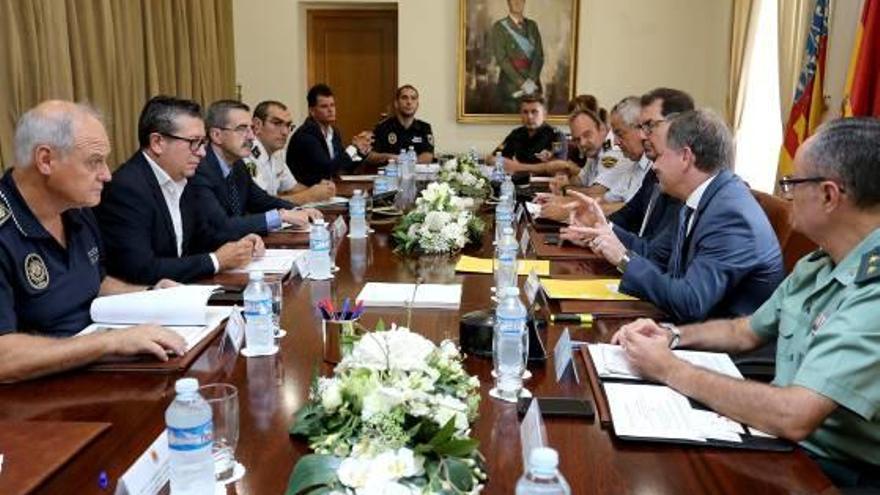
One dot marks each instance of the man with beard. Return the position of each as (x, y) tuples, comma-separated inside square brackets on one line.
[(402, 130)]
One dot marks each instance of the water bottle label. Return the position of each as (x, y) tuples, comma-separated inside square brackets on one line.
[(258, 307), (357, 210), (510, 325), (317, 244), (193, 438)]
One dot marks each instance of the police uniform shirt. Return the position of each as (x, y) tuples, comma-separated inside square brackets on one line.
[(826, 323), (519, 145), (45, 288), (391, 137), (269, 171), (611, 169)]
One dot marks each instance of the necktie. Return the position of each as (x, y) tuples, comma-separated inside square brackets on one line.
[(234, 198), (679, 249)]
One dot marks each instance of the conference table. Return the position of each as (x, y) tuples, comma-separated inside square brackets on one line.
[(272, 389)]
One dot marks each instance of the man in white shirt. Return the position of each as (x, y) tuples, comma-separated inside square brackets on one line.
[(151, 226), (272, 126)]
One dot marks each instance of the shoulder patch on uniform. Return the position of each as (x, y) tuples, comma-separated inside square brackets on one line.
[(869, 269), (392, 138), (431, 139), (609, 161), (36, 272), (4, 213)]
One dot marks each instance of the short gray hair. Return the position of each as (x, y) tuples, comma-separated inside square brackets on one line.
[(629, 109), (707, 136), (849, 150), (48, 124), (218, 113)]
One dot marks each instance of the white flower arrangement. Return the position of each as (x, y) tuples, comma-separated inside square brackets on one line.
[(441, 222), (464, 176), (394, 418)]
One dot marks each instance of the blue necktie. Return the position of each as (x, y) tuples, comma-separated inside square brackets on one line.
[(679, 249), (234, 199)]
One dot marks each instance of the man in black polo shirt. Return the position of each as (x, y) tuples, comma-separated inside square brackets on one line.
[(402, 130), (528, 148), (51, 253)]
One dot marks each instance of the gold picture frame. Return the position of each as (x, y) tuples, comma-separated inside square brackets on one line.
[(541, 44)]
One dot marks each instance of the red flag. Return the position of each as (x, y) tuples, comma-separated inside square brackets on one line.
[(862, 94)]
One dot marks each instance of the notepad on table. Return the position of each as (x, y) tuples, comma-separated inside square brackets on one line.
[(334, 201), (274, 261), (381, 294), (358, 178), (470, 264), (611, 362), (598, 289)]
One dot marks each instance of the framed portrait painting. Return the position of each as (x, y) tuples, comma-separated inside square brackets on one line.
[(512, 48)]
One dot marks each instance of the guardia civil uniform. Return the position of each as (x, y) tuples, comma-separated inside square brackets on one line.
[(825, 319), (46, 288)]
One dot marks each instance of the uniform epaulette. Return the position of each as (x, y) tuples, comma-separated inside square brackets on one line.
[(5, 213), (869, 269), (817, 255)]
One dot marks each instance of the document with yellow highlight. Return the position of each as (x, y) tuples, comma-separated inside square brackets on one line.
[(596, 289), (470, 264)]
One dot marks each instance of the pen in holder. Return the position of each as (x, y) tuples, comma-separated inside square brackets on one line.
[(339, 328)]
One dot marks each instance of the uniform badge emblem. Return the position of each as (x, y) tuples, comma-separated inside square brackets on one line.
[(392, 138), (869, 269), (94, 255), (431, 139), (36, 272), (609, 161), (817, 323), (4, 214)]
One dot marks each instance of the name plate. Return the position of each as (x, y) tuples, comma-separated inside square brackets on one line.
[(235, 328), (562, 356), (524, 241), (531, 287), (149, 473), (532, 433)]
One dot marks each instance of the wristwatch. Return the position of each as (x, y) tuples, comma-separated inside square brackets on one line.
[(624, 262), (674, 334)]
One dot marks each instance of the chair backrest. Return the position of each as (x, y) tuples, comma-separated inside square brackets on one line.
[(794, 245)]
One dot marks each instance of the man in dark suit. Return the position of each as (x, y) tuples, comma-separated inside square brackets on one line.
[(720, 257), (651, 210), (151, 226), (232, 203), (315, 151)]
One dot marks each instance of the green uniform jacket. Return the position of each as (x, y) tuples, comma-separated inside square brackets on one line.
[(516, 65)]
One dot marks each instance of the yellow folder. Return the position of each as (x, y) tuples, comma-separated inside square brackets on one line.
[(597, 289), (470, 264)]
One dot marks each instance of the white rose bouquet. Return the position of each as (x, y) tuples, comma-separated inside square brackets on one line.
[(440, 223), (394, 418), (464, 176)]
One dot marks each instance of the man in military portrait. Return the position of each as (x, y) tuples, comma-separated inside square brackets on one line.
[(519, 52)]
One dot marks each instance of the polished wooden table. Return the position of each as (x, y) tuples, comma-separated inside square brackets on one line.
[(271, 389)]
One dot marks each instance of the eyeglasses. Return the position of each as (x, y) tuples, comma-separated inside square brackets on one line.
[(787, 183), (649, 125), (195, 144), (242, 129)]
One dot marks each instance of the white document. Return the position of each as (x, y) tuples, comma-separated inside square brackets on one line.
[(380, 294), (611, 362), (180, 305), (275, 261), (149, 473), (358, 178), (192, 334), (427, 168), (650, 411), (335, 200)]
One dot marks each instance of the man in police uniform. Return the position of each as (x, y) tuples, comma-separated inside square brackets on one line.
[(402, 130), (519, 52), (272, 125), (528, 148), (50, 249), (825, 318)]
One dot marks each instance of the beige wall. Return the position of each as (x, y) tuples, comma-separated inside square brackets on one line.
[(625, 47), (841, 35)]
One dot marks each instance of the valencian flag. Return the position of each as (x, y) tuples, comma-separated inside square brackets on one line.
[(862, 95), (808, 105)]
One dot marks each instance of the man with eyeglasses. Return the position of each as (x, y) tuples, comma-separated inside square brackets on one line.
[(51, 252), (825, 318), (272, 126), (232, 203), (150, 221), (719, 258)]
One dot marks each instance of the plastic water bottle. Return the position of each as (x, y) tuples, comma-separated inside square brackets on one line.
[(509, 189), (319, 251), (190, 429), (542, 476), (380, 185), (392, 173), (503, 217), (357, 210), (505, 261), (259, 330), (509, 345), (412, 158), (498, 172)]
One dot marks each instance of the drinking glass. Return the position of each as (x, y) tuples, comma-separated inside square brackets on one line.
[(277, 289), (223, 399)]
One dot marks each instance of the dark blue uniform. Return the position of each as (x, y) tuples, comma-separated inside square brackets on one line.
[(391, 137), (45, 288)]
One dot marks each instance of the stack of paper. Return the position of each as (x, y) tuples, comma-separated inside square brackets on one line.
[(335, 200), (598, 289), (275, 261), (379, 294), (470, 264), (611, 362)]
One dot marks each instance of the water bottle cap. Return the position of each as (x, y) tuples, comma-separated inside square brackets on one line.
[(319, 221), (508, 230), (543, 460), (358, 192), (255, 276), (511, 291), (186, 385), (381, 172)]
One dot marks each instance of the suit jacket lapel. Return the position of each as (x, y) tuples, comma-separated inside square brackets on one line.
[(717, 184), (213, 169)]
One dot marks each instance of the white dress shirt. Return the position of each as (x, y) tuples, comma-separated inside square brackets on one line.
[(693, 201)]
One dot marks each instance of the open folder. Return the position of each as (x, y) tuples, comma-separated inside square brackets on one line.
[(597, 289), (380, 294)]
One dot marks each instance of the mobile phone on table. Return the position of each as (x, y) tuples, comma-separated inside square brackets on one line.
[(558, 406), (552, 239)]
